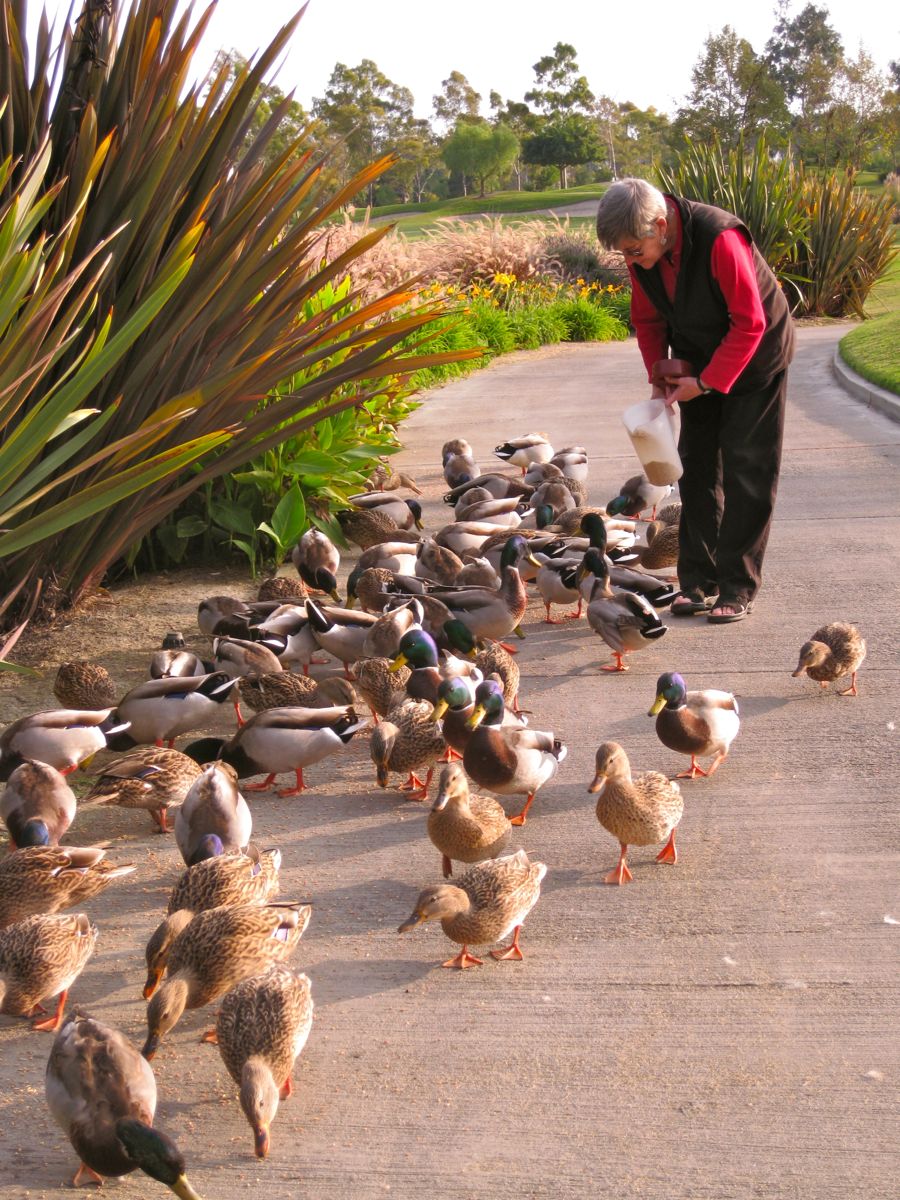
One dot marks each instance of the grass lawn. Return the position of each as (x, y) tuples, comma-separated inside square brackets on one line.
[(871, 349), (499, 202)]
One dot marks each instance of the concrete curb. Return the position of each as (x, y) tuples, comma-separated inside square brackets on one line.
[(875, 397)]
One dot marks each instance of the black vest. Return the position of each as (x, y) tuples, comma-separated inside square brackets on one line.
[(698, 319)]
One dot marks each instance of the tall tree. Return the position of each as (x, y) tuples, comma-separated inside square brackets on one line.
[(480, 150), (733, 95), (456, 101), (521, 120), (563, 143), (802, 53), (365, 112), (559, 89)]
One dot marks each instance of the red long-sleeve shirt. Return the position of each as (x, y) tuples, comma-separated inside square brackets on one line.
[(732, 268)]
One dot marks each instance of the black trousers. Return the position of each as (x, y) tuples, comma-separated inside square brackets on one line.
[(730, 448)]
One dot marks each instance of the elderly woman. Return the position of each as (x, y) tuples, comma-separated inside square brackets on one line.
[(702, 291)]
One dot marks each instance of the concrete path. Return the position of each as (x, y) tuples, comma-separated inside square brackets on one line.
[(723, 1030)]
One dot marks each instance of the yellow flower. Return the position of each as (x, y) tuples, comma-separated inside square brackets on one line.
[(580, 281)]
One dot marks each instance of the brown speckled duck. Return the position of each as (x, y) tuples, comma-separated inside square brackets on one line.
[(44, 879), (833, 651), (155, 779), (84, 684), (40, 957), (407, 741), (102, 1094), (216, 950), (464, 827), (262, 1027), (490, 902), (637, 812)]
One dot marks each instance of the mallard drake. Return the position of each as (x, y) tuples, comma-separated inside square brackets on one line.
[(478, 506), (419, 650), (214, 816), (383, 638), (44, 879), (237, 658), (37, 805), (397, 556), (496, 485), (436, 562), (280, 740), (177, 664), (341, 632), (84, 685), (557, 581), (495, 613), (234, 878), (40, 957), (158, 710), (227, 616), (638, 812), (368, 527), (405, 512), (215, 951), (833, 651), (658, 592), (283, 589), (287, 633), (490, 659), (636, 495), (626, 622), (555, 495), (62, 737), (456, 446), (154, 779), (455, 705), (525, 450), (492, 900), (695, 723), (261, 1028), (464, 827), (317, 560), (458, 462), (407, 741), (477, 572), (102, 1094), (460, 536), (506, 760), (572, 461)]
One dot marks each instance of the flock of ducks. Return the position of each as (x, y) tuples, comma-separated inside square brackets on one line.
[(428, 675)]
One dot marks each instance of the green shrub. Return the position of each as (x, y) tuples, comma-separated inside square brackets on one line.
[(493, 327), (538, 326), (588, 322)]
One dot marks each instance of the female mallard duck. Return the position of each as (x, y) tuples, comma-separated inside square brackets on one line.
[(84, 685), (216, 950), (44, 879), (279, 740), (626, 622), (458, 462), (381, 687), (525, 450), (506, 760), (636, 495), (317, 560), (464, 827), (226, 616), (40, 957), (436, 562), (158, 710), (228, 879), (286, 689), (492, 900), (283, 589), (638, 812), (214, 817), (405, 512), (37, 805), (495, 613), (371, 588), (833, 651), (61, 737), (695, 723), (261, 1029), (660, 550), (102, 1094), (407, 740), (154, 779), (398, 556), (572, 461), (367, 528), (237, 658), (477, 572)]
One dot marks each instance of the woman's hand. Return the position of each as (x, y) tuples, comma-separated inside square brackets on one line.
[(687, 389)]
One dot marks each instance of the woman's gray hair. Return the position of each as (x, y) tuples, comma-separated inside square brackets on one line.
[(628, 209)]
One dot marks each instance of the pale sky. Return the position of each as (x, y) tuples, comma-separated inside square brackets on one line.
[(642, 52)]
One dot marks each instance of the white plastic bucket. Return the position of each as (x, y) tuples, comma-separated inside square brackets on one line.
[(652, 427)]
